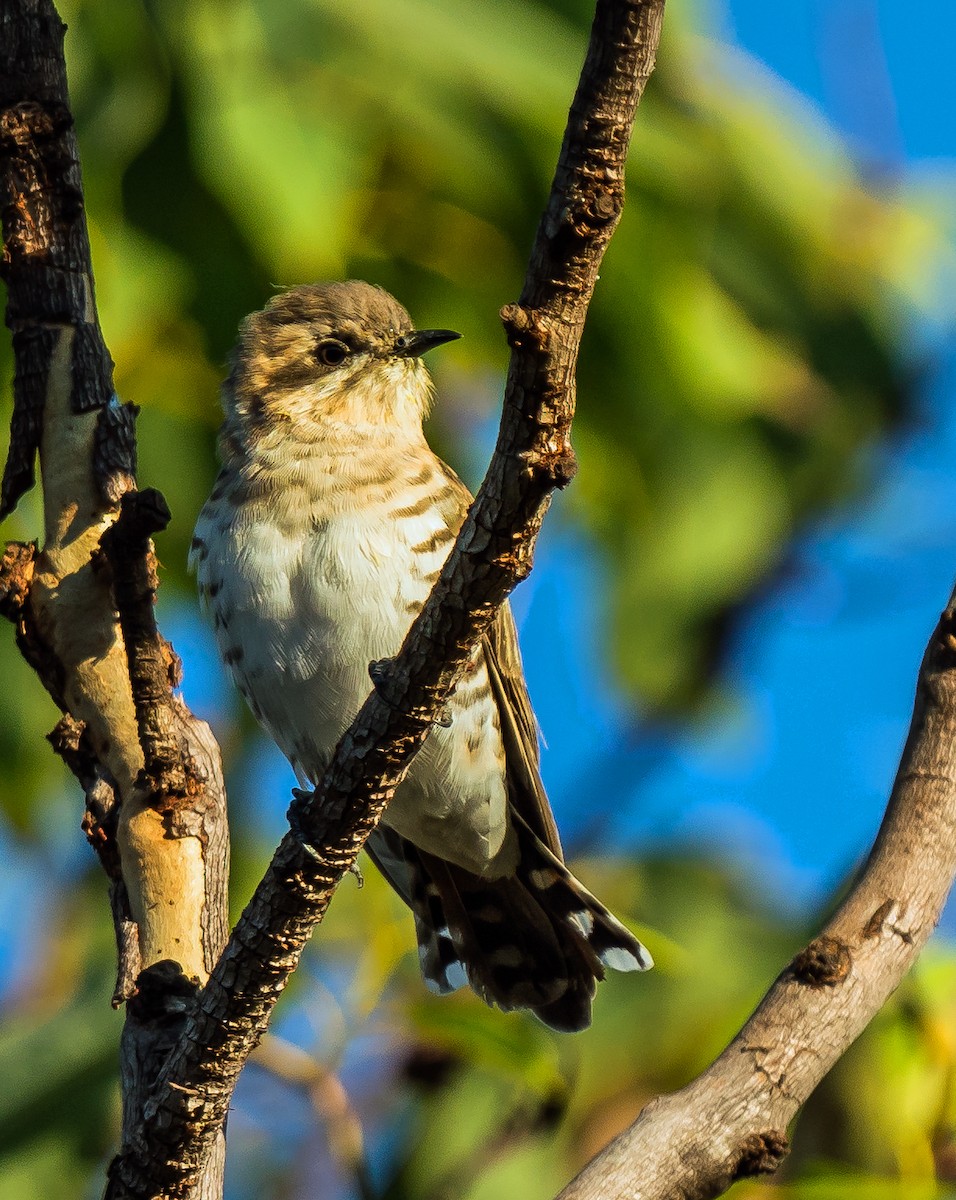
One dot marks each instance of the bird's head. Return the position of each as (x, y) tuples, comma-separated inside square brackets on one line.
[(345, 353)]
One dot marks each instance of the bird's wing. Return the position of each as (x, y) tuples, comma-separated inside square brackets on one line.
[(519, 729)]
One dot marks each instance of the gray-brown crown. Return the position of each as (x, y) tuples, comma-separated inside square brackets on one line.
[(365, 314), (332, 350), (279, 348)]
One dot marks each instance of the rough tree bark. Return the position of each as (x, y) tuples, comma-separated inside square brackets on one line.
[(493, 552), (151, 772)]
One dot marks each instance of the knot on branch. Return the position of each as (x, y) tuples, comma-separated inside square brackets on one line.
[(944, 644), (163, 994), (522, 328), (591, 211), (517, 561), (141, 515), (66, 738), (824, 963), (606, 206), (16, 576), (558, 465), (31, 122), (761, 1154), (874, 926)]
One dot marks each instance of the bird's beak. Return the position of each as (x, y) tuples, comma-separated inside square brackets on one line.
[(420, 341)]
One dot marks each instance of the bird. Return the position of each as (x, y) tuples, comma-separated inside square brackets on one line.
[(326, 528)]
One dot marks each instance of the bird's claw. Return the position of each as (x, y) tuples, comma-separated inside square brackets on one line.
[(378, 671), (300, 798)]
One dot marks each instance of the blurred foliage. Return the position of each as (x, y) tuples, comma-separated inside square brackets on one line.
[(747, 345), (59, 1109)]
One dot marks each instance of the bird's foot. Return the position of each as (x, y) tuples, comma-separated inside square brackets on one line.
[(378, 672), (301, 797)]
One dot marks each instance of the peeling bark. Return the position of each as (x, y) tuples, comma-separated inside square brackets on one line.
[(167, 877)]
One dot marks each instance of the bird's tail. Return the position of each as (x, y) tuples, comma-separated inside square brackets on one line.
[(537, 939)]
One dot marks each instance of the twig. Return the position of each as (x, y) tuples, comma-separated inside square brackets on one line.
[(328, 1097), (731, 1121), (154, 669), (493, 552)]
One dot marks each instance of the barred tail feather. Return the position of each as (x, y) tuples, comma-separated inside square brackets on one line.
[(537, 939), (564, 895), (398, 861)]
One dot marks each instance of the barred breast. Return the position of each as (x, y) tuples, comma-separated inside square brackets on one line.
[(312, 573)]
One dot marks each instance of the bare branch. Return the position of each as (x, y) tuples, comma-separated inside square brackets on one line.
[(64, 602), (731, 1121), (493, 552), (167, 862)]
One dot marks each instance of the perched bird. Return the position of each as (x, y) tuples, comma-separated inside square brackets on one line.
[(326, 529)]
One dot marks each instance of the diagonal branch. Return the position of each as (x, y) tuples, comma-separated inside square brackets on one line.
[(731, 1120), (493, 552)]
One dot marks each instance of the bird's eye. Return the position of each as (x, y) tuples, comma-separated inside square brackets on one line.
[(332, 352)]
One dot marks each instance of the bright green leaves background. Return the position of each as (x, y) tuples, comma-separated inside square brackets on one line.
[(747, 344)]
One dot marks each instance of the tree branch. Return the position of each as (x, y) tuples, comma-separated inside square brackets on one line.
[(731, 1121), (161, 836), (493, 552)]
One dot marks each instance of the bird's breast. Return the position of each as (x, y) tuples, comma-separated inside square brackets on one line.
[(311, 582), (324, 566)]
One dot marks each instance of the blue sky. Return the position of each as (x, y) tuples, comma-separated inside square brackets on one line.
[(790, 779), (794, 779)]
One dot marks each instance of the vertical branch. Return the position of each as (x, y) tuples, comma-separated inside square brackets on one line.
[(63, 382), (157, 819)]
